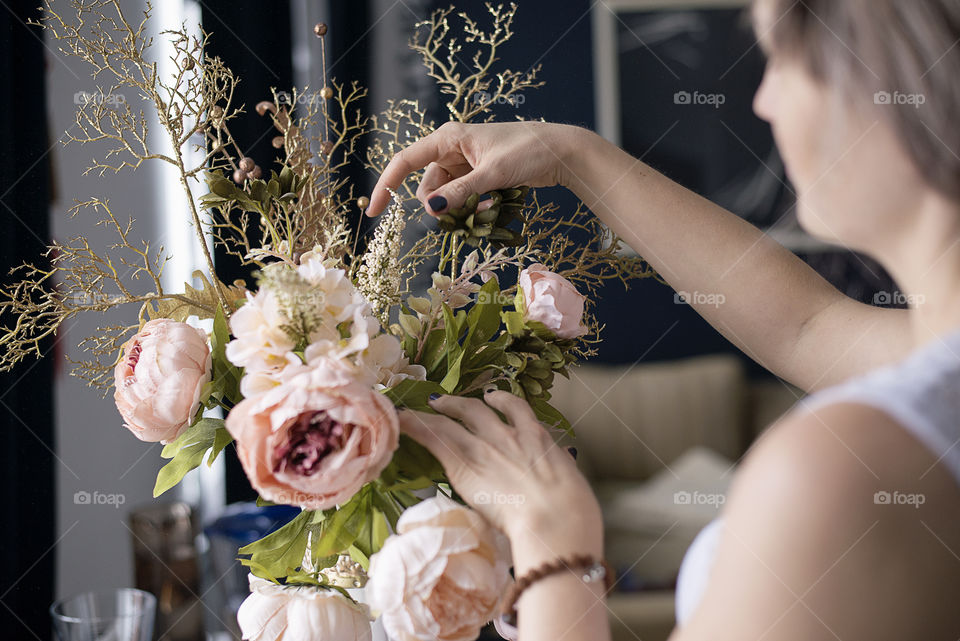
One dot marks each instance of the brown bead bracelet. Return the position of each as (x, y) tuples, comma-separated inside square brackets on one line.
[(594, 570)]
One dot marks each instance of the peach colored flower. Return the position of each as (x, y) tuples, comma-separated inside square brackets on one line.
[(442, 576), (552, 300), (159, 379), (285, 613), (316, 438)]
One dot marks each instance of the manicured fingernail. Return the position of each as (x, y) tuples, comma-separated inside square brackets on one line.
[(437, 204), (489, 389), (573, 452), (434, 396)]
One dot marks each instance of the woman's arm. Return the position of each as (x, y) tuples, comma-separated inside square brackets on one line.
[(764, 299), (775, 308)]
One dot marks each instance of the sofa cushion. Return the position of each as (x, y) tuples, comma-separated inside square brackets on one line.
[(633, 421), (650, 525)]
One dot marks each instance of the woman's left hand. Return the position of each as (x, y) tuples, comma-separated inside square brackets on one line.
[(511, 472)]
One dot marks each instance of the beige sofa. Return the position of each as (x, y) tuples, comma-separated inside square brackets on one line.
[(659, 442)]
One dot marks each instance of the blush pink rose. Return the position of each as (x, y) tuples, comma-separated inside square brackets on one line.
[(552, 300), (315, 439), (159, 378), (442, 576)]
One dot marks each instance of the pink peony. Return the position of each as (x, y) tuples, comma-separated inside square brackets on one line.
[(316, 438), (442, 577), (287, 613), (552, 300), (159, 378)]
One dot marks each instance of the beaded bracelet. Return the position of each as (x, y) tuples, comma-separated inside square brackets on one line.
[(594, 570)]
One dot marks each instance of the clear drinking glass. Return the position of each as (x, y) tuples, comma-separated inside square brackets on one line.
[(114, 615)]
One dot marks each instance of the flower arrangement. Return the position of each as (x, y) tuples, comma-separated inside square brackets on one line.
[(309, 368)]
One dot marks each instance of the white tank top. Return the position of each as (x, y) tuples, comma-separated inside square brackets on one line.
[(921, 393)]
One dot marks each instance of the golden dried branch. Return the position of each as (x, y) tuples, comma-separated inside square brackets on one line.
[(470, 84), (99, 34), (80, 279)]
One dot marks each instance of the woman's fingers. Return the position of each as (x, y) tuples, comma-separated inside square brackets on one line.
[(517, 410), (530, 432), (442, 146), (434, 176), (406, 161), (446, 439), (475, 414)]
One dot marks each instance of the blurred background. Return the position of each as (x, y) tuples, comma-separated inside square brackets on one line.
[(663, 413)]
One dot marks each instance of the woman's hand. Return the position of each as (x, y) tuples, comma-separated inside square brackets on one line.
[(462, 159), (512, 473)]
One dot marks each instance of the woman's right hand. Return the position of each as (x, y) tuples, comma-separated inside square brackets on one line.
[(462, 159)]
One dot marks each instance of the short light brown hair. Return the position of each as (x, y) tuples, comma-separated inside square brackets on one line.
[(863, 47)]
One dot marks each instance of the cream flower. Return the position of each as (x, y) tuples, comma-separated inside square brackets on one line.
[(340, 298), (285, 613), (552, 300), (261, 341), (442, 576), (159, 379), (384, 361), (315, 300)]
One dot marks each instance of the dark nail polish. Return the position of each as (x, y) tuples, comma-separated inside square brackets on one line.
[(573, 452), (437, 204), (434, 396)]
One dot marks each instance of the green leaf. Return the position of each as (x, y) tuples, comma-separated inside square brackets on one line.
[(415, 461), (341, 528), (410, 324), (385, 502), (452, 378), (489, 353), (514, 322), (413, 394), (280, 553), (484, 317), (188, 451), (550, 415), (360, 557), (433, 351), (223, 389), (451, 335), (374, 531)]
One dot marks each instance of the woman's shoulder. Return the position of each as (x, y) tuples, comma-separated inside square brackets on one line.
[(839, 524)]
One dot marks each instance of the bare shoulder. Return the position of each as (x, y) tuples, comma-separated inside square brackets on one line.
[(840, 524)]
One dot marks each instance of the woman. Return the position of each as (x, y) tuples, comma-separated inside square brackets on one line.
[(842, 522)]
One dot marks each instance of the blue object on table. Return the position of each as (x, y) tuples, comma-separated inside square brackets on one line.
[(226, 578), (244, 523)]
